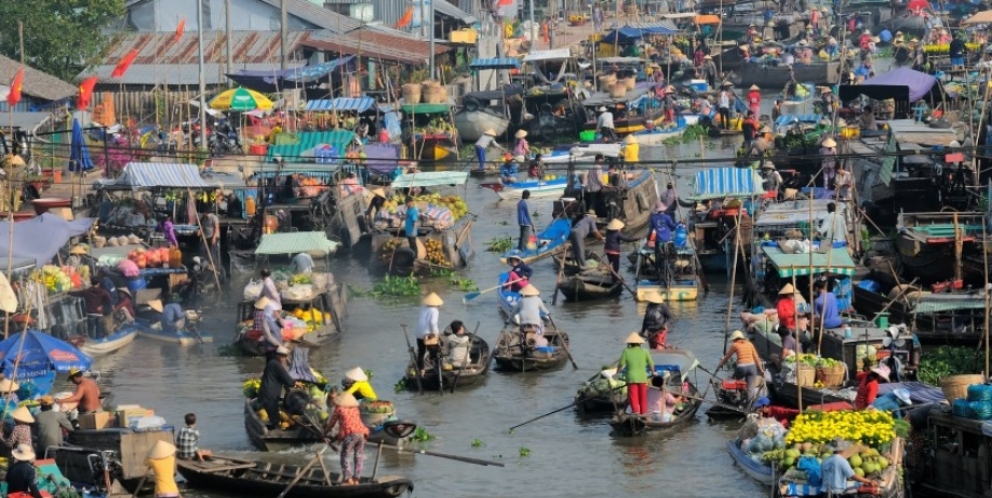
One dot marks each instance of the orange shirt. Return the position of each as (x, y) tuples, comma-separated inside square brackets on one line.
[(745, 352)]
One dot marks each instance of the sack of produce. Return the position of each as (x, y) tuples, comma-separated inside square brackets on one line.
[(253, 290), (301, 292)]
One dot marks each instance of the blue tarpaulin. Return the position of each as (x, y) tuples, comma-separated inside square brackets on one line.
[(495, 63), (717, 183), (360, 104), (40, 354), (634, 31), (313, 73), (79, 155)]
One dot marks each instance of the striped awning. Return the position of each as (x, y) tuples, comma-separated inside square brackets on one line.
[(159, 175), (360, 104), (787, 265), (495, 63), (295, 242), (717, 183)]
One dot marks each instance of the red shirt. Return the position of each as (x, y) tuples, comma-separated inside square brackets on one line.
[(786, 308), (754, 98), (867, 390)]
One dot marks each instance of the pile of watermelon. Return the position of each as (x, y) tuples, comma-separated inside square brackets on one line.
[(150, 258)]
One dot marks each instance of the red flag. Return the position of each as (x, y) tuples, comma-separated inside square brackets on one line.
[(124, 64), (180, 28), (406, 19), (85, 93), (16, 85)]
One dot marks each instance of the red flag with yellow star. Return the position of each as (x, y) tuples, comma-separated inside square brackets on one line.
[(85, 93), (16, 85)]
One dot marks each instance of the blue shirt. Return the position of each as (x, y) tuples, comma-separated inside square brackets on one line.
[(861, 71), (662, 225), (171, 314), (826, 305), (523, 270), (523, 214), (836, 471), (412, 214)]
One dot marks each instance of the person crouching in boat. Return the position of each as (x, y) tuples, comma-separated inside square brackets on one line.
[(459, 345), (356, 383), (530, 309), (520, 274), (638, 362), (661, 403), (868, 382), (511, 166), (894, 402), (655, 324), (22, 478), (352, 434), (748, 362), (172, 319), (162, 461)]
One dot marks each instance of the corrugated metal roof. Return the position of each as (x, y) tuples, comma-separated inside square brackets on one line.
[(393, 38), (174, 74), (450, 10), (316, 14), (938, 303), (159, 175), (398, 51), (36, 83), (360, 104), (495, 63), (247, 47), (310, 139), (295, 242)]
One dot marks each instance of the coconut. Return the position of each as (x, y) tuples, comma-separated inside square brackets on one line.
[(99, 241), (112, 242), (133, 239)]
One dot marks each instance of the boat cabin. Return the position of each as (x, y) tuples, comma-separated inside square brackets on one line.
[(714, 227), (961, 463), (631, 112), (633, 205), (428, 132)]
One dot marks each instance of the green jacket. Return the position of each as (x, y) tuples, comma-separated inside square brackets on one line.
[(637, 360)]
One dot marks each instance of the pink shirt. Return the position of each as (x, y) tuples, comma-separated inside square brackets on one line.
[(660, 402)]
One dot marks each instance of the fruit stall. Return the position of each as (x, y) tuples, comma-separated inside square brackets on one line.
[(444, 226), (429, 132)]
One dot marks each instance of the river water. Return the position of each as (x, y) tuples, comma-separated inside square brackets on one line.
[(568, 455)]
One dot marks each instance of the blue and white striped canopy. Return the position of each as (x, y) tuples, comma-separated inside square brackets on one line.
[(360, 104), (495, 63), (717, 183)]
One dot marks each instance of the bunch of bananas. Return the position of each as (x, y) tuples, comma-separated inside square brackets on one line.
[(435, 252)]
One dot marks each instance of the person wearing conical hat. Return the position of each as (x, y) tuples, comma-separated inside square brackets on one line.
[(275, 378), (520, 273), (605, 125), (530, 309), (771, 178), (21, 434), (22, 476), (428, 334), (637, 365), (266, 327), (521, 147), (786, 307), (631, 150), (171, 316), (356, 382), (87, 394), (657, 315), (829, 163), (754, 100), (161, 459), (352, 433), (614, 237), (488, 139), (749, 364)]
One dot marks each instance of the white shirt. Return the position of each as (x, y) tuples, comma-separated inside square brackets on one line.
[(530, 309), (427, 323), (605, 120), (484, 141), (458, 349), (725, 99), (835, 225)]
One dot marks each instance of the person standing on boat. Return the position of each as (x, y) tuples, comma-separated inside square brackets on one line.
[(723, 104), (614, 237), (786, 307), (428, 334), (356, 383), (302, 263), (162, 460), (487, 139), (50, 424), (670, 199), (524, 221), (352, 433), (269, 289), (410, 224), (754, 100), (749, 364), (580, 230), (655, 324), (834, 227), (605, 126), (22, 478), (87, 393), (520, 273), (521, 147), (459, 345), (662, 227), (829, 153), (957, 51), (709, 69), (275, 377), (21, 433), (638, 363), (597, 17), (530, 309), (825, 308), (844, 183), (772, 179), (125, 306), (749, 128), (594, 185)]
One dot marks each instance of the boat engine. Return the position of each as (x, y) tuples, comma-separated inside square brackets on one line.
[(732, 393)]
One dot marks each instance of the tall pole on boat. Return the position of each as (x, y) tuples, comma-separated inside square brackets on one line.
[(530, 4), (200, 76), (985, 259), (430, 33), (283, 45), (227, 37), (10, 190)]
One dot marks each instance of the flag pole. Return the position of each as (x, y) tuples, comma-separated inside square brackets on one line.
[(10, 179)]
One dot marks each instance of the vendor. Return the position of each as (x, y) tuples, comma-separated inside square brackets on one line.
[(274, 379), (21, 475), (868, 381), (377, 199), (893, 402), (87, 393), (124, 304), (520, 273), (302, 263), (162, 461), (266, 323), (269, 289), (172, 318), (356, 383), (169, 231)]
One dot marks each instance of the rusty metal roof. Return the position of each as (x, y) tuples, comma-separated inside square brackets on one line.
[(247, 47), (317, 14), (37, 83), (375, 43)]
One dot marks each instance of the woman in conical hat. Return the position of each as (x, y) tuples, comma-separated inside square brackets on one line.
[(162, 461), (638, 363)]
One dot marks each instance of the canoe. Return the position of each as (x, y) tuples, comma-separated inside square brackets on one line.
[(755, 470), (584, 152), (258, 478), (480, 357), (510, 356), (506, 298), (472, 123), (571, 267), (538, 188), (629, 425), (548, 242), (393, 433), (596, 395), (181, 337), (589, 286), (105, 345)]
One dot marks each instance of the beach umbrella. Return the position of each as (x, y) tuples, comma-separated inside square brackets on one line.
[(79, 154), (240, 99), (42, 356)]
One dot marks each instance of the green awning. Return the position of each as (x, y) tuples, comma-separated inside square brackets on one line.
[(431, 179), (941, 304), (295, 242), (426, 108), (799, 264)]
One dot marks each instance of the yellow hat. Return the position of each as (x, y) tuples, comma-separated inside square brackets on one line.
[(432, 299), (346, 400), (634, 338), (829, 142), (161, 449), (787, 289), (530, 291), (74, 372), (156, 304), (21, 414), (520, 134), (77, 249), (46, 401), (655, 298), (737, 336), (7, 385), (379, 191), (489, 131), (259, 305), (615, 224), (630, 139)]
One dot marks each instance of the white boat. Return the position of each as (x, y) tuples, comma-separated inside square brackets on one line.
[(106, 345), (472, 123), (581, 152), (538, 188), (181, 337), (657, 136)]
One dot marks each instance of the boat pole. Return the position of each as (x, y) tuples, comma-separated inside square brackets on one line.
[(201, 76), (985, 259), (733, 280), (799, 364), (304, 471), (830, 253)]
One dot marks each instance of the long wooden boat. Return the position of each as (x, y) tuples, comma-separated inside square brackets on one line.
[(549, 241), (598, 394), (758, 471), (590, 286), (184, 337), (947, 471), (581, 152), (537, 188), (299, 435), (511, 355), (936, 319), (105, 345), (630, 123), (472, 374), (472, 123), (571, 267), (630, 425), (932, 245), (257, 478), (819, 73)]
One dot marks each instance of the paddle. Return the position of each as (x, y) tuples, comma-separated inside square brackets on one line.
[(467, 355), (474, 461), (304, 471), (561, 271), (564, 342), (577, 401), (413, 357), (625, 286), (472, 295)]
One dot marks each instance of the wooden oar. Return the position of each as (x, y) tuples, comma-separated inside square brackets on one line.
[(303, 472), (472, 295), (564, 342), (622, 282), (577, 401), (413, 357), (468, 354), (475, 461), (561, 271)]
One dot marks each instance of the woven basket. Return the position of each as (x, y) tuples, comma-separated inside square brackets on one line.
[(630, 83), (618, 90), (805, 376), (605, 82), (956, 386), (831, 376), (411, 93)]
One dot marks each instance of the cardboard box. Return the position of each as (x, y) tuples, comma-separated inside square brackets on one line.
[(99, 420), (125, 416)]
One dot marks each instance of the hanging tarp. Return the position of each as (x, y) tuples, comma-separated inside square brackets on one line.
[(315, 73), (158, 175), (495, 63), (360, 104), (41, 237), (799, 265), (631, 32), (718, 183), (295, 243), (902, 84), (984, 17)]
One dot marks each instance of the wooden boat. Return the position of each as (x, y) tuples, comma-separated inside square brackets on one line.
[(630, 425), (758, 471), (549, 242), (392, 432), (684, 282), (930, 250), (582, 152), (657, 136), (632, 205), (190, 335), (950, 472), (327, 303), (258, 478), (480, 357), (936, 319), (890, 484), (105, 345), (511, 355), (428, 142), (537, 188), (571, 267), (624, 125), (589, 286), (472, 123), (598, 396), (818, 73)]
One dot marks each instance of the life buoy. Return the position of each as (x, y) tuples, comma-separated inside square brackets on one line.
[(471, 104)]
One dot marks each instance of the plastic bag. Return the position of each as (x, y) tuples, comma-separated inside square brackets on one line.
[(298, 292), (253, 290)]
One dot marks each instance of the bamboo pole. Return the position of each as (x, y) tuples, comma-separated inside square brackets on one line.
[(733, 280), (985, 260), (9, 201), (799, 387)]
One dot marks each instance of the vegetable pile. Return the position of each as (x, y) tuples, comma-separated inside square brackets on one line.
[(150, 258), (58, 279), (945, 361)]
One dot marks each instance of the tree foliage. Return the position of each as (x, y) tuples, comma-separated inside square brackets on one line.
[(60, 36)]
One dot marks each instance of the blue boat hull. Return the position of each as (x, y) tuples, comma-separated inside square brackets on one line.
[(759, 472), (548, 241)]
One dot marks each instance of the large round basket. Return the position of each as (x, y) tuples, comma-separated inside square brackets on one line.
[(371, 419), (956, 386), (411, 93), (618, 90), (805, 376), (831, 376)]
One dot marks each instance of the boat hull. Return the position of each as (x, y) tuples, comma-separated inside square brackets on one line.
[(472, 124), (549, 241), (589, 287), (509, 356), (759, 472), (96, 347), (675, 293), (281, 440), (827, 73), (480, 358), (538, 189), (629, 425)]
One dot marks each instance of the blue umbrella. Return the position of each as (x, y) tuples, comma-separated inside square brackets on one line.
[(79, 155), (41, 357)]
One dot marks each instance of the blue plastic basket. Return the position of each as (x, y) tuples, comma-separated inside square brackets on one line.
[(980, 392)]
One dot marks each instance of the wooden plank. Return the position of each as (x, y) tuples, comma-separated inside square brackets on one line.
[(224, 468)]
